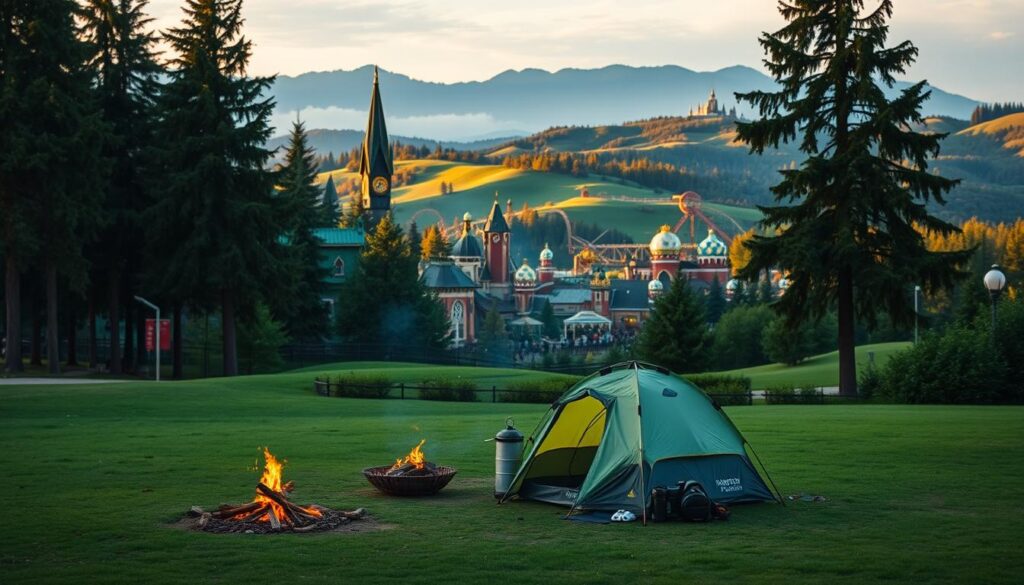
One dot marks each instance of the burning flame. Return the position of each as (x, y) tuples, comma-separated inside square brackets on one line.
[(272, 468), (414, 457)]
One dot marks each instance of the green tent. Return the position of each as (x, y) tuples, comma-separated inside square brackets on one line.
[(626, 429)]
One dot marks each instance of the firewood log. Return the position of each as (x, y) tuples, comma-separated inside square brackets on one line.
[(354, 514), (196, 511), (230, 511), (275, 523), (278, 498), (256, 513)]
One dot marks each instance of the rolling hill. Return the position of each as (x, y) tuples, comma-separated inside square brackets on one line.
[(640, 215)]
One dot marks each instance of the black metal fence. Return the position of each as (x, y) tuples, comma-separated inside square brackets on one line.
[(403, 391)]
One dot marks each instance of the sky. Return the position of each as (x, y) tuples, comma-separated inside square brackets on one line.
[(971, 47)]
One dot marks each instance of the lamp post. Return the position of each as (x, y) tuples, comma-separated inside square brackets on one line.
[(917, 311), (157, 332), (994, 281)]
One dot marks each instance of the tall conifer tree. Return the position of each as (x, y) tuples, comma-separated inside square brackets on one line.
[(122, 60), (330, 207), (50, 162), (675, 335), (848, 216), (215, 230), (385, 303), (301, 308)]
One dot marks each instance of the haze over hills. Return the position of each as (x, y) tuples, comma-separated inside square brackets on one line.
[(520, 102)]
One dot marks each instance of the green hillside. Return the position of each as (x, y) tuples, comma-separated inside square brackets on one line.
[(476, 184)]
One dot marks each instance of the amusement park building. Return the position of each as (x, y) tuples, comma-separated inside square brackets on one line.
[(480, 275)]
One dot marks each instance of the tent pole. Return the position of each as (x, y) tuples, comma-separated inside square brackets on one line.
[(640, 426), (766, 474)]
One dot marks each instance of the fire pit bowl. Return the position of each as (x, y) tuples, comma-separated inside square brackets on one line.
[(409, 485)]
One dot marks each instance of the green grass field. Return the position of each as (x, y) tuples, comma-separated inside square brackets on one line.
[(820, 370), (96, 476)]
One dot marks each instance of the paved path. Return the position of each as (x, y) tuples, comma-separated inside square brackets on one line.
[(55, 381)]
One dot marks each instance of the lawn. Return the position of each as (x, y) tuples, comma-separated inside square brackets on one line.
[(96, 475), (820, 370)]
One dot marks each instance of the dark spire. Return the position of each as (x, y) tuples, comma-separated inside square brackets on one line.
[(376, 158), (496, 222)]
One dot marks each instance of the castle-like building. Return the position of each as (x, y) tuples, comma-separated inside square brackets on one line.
[(711, 108)]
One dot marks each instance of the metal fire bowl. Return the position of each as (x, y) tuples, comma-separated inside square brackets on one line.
[(415, 485)]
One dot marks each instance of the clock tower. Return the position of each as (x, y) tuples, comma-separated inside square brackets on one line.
[(375, 166)]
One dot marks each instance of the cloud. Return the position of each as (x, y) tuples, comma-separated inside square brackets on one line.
[(1000, 35), (437, 127)]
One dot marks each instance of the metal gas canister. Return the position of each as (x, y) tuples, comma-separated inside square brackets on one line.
[(508, 449)]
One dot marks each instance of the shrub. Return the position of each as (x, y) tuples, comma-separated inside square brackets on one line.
[(869, 382), (780, 395), (737, 337), (353, 385), (726, 390), (448, 390), (543, 391), (960, 366)]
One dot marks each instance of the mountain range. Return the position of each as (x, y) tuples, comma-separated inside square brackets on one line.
[(529, 100)]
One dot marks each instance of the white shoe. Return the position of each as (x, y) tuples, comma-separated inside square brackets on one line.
[(627, 516), (617, 516)]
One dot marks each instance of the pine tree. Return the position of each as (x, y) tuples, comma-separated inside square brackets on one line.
[(547, 316), (846, 217), (675, 335), (355, 212), (122, 59), (765, 293), (51, 166), (415, 240), (434, 245), (215, 231), (492, 336), (715, 303), (385, 303), (330, 207), (300, 307)]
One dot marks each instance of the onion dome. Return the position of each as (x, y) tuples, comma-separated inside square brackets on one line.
[(525, 274), (783, 283), (467, 246), (665, 242), (655, 286), (712, 246), (732, 285), (547, 254)]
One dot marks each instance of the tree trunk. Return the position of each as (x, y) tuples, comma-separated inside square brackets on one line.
[(36, 359), (114, 308), (93, 353), (847, 343), (228, 329), (52, 323), (12, 298), (128, 358), (177, 370), (72, 335)]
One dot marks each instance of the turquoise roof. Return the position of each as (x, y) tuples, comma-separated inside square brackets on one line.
[(340, 236), (712, 246)]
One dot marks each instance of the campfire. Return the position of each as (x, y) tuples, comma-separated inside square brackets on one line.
[(271, 510), (411, 475)]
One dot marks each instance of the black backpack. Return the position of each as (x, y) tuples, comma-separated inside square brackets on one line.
[(695, 505)]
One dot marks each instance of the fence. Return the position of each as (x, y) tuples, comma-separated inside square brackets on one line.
[(403, 391)]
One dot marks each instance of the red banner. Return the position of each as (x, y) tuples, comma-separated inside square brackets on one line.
[(165, 334)]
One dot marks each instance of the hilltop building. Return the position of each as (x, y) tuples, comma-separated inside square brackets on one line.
[(711, 108)]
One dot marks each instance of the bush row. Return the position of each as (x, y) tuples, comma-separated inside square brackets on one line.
[(354, 385), (726, 390)]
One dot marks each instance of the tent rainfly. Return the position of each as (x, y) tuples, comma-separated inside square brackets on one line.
[(617, 434)]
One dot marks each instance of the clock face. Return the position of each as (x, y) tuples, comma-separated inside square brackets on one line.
[(380, 185), (495, 238)]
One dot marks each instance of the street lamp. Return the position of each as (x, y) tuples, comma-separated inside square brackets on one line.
[(994, 281), (157, 332), (917, 311)]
